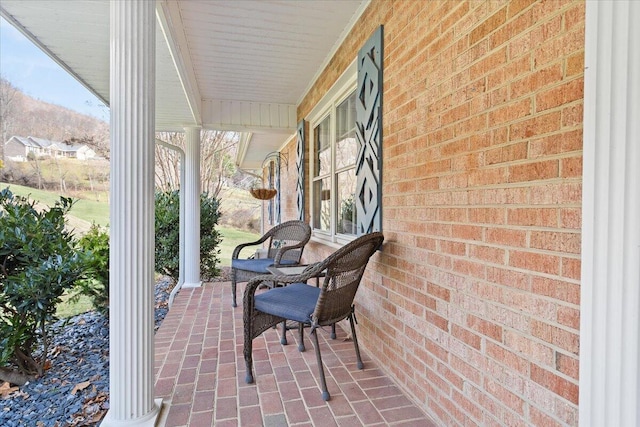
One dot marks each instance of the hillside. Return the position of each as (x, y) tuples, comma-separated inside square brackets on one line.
[(23, 115)]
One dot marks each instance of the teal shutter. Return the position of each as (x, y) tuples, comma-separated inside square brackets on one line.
[(369, 135)]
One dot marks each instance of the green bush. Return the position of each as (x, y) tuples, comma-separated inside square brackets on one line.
[(167, 232), (38, 263), (95, 244)]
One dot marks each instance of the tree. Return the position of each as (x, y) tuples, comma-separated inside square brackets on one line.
[(167, 248), (38, 263), (216, 160), (7, 111)]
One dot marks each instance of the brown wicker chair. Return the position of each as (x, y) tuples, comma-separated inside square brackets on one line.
[(307, 304), (285, 243)]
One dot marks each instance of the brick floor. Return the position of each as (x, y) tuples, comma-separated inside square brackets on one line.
[(200, 374)]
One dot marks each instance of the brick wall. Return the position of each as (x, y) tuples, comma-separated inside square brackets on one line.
[(473, 306)]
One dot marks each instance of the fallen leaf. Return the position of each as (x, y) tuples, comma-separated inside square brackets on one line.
[(80, 386), (6, 389)]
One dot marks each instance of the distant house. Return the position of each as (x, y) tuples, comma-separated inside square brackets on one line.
[(17, 148)]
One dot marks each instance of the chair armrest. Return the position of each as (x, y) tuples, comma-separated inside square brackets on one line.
[(236, 251), (284, 249)]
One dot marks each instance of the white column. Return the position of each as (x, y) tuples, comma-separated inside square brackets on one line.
[(191, 188), (131, 279), (610, 288)]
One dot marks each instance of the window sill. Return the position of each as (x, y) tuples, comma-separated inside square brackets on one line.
[(335, 242)]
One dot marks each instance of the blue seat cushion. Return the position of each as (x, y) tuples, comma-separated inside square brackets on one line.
[(294, 302), (257, 265)]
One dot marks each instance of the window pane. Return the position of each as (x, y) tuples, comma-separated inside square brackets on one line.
[(322, 204), (322, 134), (346, 143), (346, 202)]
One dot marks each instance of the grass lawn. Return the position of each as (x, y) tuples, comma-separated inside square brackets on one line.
[(232, 238), (68, 309), (86, 210)]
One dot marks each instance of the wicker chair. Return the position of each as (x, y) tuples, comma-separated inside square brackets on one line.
[(307, 304), (286, 242)]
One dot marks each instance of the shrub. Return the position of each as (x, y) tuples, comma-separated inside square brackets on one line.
[(95, 244), (167, 232), (38, 263)]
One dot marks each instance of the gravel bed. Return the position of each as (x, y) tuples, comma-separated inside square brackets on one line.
[(75, 390)]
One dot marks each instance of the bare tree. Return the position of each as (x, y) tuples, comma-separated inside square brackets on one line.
[(216, 160), (7, 111)]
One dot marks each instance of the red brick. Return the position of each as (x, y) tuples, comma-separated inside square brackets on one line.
[(469, 372), (466, 336), (572, 115), (537, 125), (557, 96), (534, 171), (466, 232), (506, 236), (539, 418), (564, 291), (571, 167), (508, 277), (571, 268), (468, 267), (437, 320), (569, 316), (508, 358), (532, 350), (506, 397), (555, 383), (488, 176), (540, 217), (575, 65), (506, 154), (554, 335), (487, 215), (535, 81), (517, 6), (556, 241), (534, 261), (568, 365), (485, 327), (438, 292), (452, 248), (571, 218), (487, 253), (489, 25)]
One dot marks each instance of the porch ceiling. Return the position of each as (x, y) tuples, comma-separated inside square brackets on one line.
[(221, 64)]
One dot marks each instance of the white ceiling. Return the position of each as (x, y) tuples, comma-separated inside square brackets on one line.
[(249, 54)]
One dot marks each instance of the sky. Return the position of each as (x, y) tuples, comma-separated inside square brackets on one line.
[(34, 73)]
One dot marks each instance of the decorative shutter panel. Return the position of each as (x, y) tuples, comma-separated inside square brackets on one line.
[(369, 135), (300, 170)]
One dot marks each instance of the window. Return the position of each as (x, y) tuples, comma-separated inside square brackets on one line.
[(335, 149)]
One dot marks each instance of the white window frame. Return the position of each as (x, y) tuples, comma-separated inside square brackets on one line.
[(341, 89)]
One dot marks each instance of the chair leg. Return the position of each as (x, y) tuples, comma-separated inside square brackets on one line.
[(333, 331), (301, 342), (248, 354), (355, 342), (323, 382), (283, 338), (233, 289)]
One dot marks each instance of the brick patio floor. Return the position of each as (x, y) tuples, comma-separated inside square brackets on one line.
[(200, 374)]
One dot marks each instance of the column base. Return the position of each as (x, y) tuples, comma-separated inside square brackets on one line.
[(149, 420), (191, 285)]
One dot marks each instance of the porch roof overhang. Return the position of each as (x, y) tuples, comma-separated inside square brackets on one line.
[(227, 65)]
